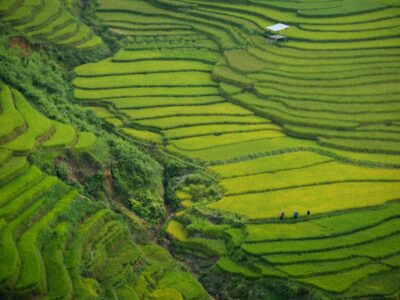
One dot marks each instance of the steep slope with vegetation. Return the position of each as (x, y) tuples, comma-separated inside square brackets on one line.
[(58, 244), (66, 230)]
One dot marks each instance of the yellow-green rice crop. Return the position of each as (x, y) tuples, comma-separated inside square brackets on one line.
[(269, 164), (210, 141), (222, 109), (143, 134), (318, 198), (320, 174)]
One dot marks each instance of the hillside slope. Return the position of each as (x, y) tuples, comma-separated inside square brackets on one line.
[(310, 124), (58, 244), (48, 21)]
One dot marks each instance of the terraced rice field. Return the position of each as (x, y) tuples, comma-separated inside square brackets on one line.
[(79, 235), (48, 21), (58, 244), (310, 124), (24, 129)]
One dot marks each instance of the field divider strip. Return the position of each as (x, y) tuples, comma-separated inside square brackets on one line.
[(145, 86), (183, 115), (140, 73)]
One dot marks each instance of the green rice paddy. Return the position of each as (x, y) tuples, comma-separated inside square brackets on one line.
[(49, 232), (48, 21)]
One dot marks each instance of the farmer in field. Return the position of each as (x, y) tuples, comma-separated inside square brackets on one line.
[(281, 216), (308, 213), (296, 214)]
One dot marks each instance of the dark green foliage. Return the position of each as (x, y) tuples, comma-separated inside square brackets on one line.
[(190, 180), (142, 170), (202, 187), (43, 77), (137, 178), (147, 205), (174, 169), (94, 185)]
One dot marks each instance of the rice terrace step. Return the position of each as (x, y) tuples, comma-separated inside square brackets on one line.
[(193, 149)]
